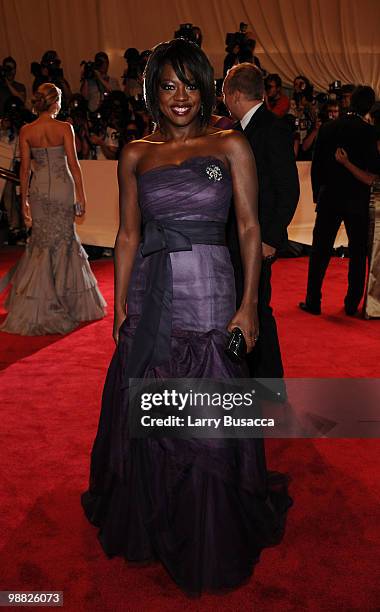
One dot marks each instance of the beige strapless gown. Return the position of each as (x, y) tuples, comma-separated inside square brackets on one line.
[(53, 288)]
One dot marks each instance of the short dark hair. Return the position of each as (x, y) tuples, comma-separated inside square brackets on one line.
[(132, 55), (275, 78), (49, 56), (362, 99), (348, 88), (248, 79), (183, 55), (101, 56), (307, 92), (9, 60)]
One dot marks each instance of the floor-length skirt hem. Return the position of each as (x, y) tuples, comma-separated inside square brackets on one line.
[(53, 291), (198, 558), (205, 508)]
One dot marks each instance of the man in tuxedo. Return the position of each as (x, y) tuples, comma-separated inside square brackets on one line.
[(272, 145), (341, 197)]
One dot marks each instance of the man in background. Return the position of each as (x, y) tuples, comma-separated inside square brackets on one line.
[(95, 87), (272, 145), (277, 102), (341, 197)]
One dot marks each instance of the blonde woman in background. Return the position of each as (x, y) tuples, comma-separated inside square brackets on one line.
[(53, 286)]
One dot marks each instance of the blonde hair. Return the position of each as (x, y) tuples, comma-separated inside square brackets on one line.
[(45, 96)]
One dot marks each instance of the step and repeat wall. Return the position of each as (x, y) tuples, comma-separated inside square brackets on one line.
[(99, 226)]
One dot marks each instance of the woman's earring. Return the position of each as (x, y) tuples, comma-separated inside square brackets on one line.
[(201, 113)]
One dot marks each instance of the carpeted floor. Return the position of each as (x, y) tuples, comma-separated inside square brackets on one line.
[(50, 390)]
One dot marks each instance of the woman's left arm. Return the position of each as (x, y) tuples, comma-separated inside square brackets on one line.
[(75, 169), (25, 176), (245, 193)]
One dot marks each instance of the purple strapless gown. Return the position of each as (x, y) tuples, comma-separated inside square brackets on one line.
[(204, 508)]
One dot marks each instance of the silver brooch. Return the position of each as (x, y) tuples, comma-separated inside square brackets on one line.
[(214, 173)]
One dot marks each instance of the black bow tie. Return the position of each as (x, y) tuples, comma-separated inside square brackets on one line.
[(237, 126)]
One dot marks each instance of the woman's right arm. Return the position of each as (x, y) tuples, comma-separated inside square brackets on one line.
[(129, 233), (361, 175), (25, 176)]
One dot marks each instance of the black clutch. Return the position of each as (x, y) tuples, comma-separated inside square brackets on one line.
[(236, 347)]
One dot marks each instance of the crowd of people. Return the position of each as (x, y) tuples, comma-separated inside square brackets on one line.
[(188, 271), (106, 114)]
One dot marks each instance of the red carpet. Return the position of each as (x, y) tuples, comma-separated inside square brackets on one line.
[(50, 391)]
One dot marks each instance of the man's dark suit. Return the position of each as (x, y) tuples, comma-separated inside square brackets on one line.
[(272, 145), (341, 197)]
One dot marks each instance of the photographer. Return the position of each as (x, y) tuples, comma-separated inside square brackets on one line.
[(340, 196), (50, 71), (78, 118), (14, 117), (132, 84), (95, 81), (346, 94), (240, 48), (308, 143), (8, 85), (190, 32), (108, 125), (232, 57), (303, 106)]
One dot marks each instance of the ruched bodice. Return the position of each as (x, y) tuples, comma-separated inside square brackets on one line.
[(198, 189)]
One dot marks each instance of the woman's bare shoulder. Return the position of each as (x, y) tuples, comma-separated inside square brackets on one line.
[(25, 129), (133, 152), (229, 141)]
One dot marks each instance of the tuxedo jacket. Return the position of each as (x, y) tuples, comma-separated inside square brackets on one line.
[(333, 185), (272, 145)]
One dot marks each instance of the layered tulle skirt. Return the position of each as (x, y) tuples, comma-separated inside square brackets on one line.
[(205, 508), (53, 290)]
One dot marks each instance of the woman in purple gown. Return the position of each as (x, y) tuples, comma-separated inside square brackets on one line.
[(205, 508)]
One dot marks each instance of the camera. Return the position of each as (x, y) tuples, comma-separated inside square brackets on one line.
[(189, 32), (90, 67), (88, 70), (334, 94), (16, 113), (335, 91), (234, 39), (55, 72), (4, 71), (239, 38), (335, 86)]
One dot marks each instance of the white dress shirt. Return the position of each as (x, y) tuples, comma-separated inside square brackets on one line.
[(248, 116)]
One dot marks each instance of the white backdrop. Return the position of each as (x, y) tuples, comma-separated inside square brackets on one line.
[(100, 224)]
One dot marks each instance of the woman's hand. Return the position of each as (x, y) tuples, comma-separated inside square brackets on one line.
[(341, 156), (27, 215), (247, 320), (118, 320), (80, 208)]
